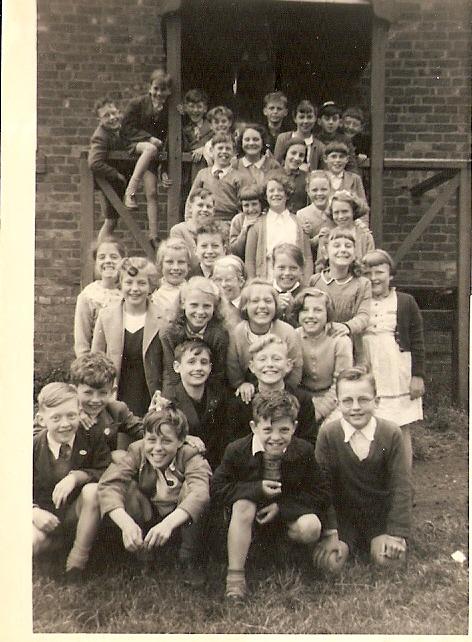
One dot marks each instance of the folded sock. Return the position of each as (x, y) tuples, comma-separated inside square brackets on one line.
[(77, 558)]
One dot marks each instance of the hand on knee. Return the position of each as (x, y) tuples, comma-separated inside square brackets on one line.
[(147, 148), (305, 530)]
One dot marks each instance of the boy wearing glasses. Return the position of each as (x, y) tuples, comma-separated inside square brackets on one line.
[(365, 460)]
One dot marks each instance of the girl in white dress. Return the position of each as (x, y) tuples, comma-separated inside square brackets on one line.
[(394, 347), (173, 265)]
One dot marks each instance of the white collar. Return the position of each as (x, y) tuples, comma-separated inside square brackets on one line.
[(308, 141), (368, 431), (222, 170), (338, 281), (257, 447), (207, 272), (258, 164), (279, 289), (236, 301), (54, 446), (192, 333), (284, 214)]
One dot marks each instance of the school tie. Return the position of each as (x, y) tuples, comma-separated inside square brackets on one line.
[(360, 445), (65, 452), (62, 465)]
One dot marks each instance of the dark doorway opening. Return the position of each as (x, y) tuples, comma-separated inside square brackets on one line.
[(240, 50)]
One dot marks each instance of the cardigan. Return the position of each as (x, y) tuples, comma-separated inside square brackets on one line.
[(109, 337), (90, 301), (374, 488), (189, 464), (256, 249), (305, 489), (90, 454), (248, 179), (239, 357), (238, 238), (409, 331)]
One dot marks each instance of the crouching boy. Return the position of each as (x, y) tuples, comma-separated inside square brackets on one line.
[(161, 485), (365, 461), (266, 477), (66, 464)]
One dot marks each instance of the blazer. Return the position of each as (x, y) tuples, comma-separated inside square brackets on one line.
[(102, 142), (190, 466), (90, 454), (210, 428), (304, 486), (256, 249), (118, 425), (316, 152), (140, 123), (239, 414), (109, 337), (409, 331)]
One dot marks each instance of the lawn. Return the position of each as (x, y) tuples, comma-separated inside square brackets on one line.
[(430, 596)]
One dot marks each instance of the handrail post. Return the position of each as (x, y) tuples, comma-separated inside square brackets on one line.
[(174, 68), (463, 286), (86, 222)]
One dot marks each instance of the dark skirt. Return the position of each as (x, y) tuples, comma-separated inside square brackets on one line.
[(133, 388)]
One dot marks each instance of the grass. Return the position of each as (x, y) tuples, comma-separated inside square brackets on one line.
[(429, 596)]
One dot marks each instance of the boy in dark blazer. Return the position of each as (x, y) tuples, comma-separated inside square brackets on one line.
[(202, 401), (266, 477), (67, 463)]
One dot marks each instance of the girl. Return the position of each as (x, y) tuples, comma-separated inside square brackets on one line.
[(252, 204), (294, 153), (144, 128), (324, 356), (394, 347), (200, 314), (344, 212), (229, 273), (351, 293), (173, 265), (128, 334), (277, 226), (252, 163), (99, 294), (259, 312), (289, 265), (313, 217)]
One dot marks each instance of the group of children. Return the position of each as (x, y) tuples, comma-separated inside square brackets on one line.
[(254, 376)]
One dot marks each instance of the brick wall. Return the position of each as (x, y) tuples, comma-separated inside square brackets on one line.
[(88, 48)]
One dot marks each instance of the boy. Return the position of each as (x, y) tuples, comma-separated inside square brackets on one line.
[(66, 464), (202, 402), (270, 364), (195, 134), (336, 157), (221, 121), (106, 138), (304, 118), (94, 375), (210, 245), (221, 179), (161, 485), (353, 124), (201, 208), (365, 461), (268, 477), (275, 110), (144, 128)]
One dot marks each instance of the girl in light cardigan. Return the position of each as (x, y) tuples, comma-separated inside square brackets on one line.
[(277, 226)]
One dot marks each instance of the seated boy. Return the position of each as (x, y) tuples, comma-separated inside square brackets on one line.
[(201, 208), (66, 464), (269, 477), (251, 202), (335, 158), (105, 139), (210, 245), (221, 179), (270, 364), (365, 462), (94, 375), (161, 485), (202, 402), (275, 110)]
